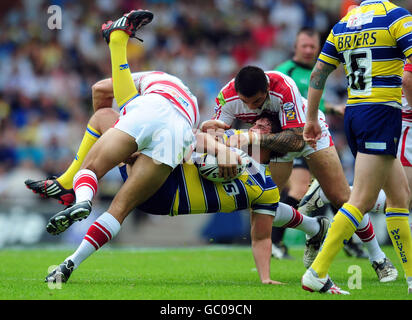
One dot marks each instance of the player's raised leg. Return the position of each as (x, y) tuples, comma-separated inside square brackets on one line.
[(114, 146)]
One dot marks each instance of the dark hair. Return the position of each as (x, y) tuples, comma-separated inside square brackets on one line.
[(308, 31), (273, 117), (251, 80), (276, 127)]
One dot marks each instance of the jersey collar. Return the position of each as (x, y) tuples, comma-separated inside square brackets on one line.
[(368, 2)]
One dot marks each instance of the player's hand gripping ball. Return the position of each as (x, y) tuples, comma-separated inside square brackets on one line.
[(209, 168)]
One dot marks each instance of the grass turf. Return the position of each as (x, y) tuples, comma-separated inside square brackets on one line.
[(210, 273)]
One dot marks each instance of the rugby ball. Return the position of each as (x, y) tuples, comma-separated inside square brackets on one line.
[(209, 169)]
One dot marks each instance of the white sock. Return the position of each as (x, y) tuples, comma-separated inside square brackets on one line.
[(85, 185), (323, 197), (379, 206), (288, 217), (366, 233), (105, 228)]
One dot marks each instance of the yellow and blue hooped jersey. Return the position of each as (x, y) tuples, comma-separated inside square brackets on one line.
[(372, 42), (187, 192)]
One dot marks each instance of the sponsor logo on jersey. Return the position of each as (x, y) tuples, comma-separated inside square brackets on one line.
[(360, 19), (288, 106)]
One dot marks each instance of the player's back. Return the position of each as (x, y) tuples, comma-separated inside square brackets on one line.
[(371, 41), (172, 88)]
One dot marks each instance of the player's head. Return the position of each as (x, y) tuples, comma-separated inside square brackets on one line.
[(267, 122), (251, 85), (307, 46)]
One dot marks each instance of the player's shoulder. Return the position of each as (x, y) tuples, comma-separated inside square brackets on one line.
[(276, 75), (392, 9), (385, 11), (228, 93), (260, 174), (278, 81)]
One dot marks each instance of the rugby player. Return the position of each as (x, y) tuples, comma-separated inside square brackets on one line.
[(372, 41), (299, 68)]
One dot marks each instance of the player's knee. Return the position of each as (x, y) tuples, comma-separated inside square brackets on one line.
[(338, 198), (399, 199), (105, 113)]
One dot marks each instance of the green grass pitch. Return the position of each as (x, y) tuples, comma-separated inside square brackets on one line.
[(209, 273)]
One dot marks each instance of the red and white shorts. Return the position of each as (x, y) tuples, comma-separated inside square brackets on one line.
[(405, 145), (324, 142)]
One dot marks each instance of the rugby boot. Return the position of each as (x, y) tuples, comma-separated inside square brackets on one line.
[(62, 220), (129, 23), (51, 188)]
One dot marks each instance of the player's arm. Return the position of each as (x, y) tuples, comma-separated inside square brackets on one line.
[(312, 130), (102, 94), (407, 83), (211, 126), (288, 140), (318, 78), (261, 230)]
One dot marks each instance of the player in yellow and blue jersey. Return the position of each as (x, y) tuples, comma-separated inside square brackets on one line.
[(372, 42)]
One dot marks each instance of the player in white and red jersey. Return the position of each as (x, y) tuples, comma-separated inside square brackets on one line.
[(157, 117), (170, 87), (282, 98), (254, 91)]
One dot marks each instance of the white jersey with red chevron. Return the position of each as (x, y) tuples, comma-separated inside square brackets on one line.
[(172, 88), (284, 99)]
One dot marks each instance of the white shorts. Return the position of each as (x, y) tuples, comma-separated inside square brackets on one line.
[(161, 131), (405, 145), (324, 142)]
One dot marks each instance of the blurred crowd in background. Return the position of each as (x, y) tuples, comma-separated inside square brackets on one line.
[(46, 74)]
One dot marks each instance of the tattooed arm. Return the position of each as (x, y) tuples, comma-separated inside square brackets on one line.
[(289, 140), (312, 131), (318, 77)]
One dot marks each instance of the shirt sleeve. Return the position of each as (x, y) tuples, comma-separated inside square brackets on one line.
[(291, 113), (401, 30), (222, 110), (408, 67), (329, 54)]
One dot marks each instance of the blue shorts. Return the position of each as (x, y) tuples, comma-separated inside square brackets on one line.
[(373, 129)]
